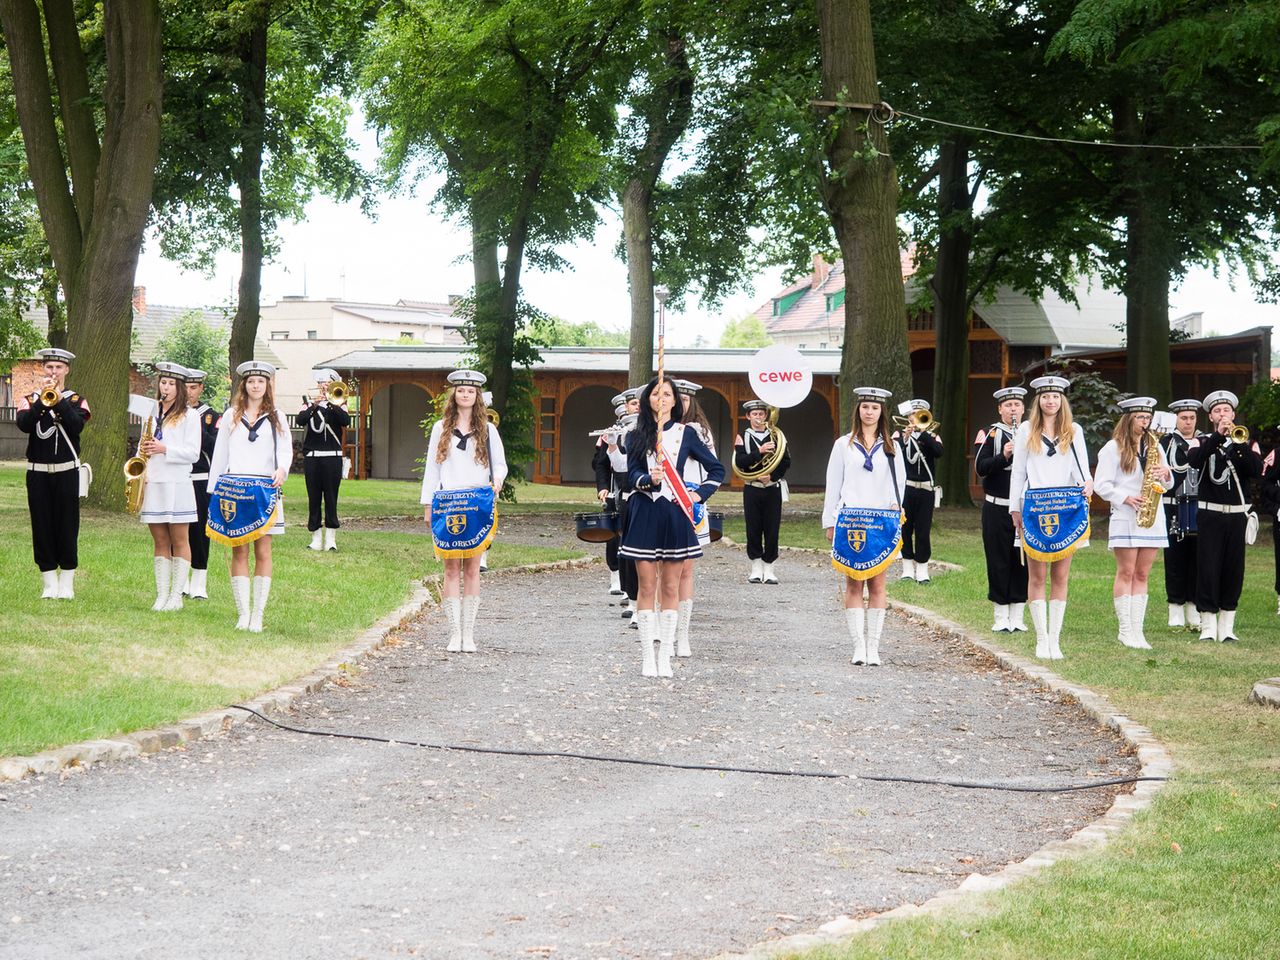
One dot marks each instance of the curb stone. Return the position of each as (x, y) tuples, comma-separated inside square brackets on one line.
[(1266, 693), (78, 756), (1153, 757)]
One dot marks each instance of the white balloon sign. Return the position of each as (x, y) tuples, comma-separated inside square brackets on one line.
[(780, 376)]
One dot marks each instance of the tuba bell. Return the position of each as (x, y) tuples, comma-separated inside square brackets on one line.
[(336, 391)]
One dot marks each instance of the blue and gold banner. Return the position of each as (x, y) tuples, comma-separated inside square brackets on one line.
[(242, 509), (1055, 522), (866, 541), (463, 522)]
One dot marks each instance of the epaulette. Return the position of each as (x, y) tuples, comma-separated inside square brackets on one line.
[(74, 398), (208, 417)]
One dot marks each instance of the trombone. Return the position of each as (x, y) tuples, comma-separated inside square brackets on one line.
[(921, 420)]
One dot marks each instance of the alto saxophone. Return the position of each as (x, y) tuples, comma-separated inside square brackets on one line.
[(1152, 490), (135, 470)]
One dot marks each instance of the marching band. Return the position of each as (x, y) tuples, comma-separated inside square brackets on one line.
[(197, 477)]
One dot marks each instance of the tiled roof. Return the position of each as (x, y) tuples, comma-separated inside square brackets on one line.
[(810, 311)]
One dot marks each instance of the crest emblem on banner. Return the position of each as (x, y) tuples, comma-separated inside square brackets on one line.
[(857, 540), (228, 509), (1048, 523), (455, 523)]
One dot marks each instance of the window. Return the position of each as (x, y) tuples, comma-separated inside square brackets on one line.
[(823, 345), (311, 334), (802, 346), (279, 334), (406, 335)]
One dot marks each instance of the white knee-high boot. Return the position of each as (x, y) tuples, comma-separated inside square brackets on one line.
[(470, 607), (875, 627), (855, 619), (1017, 620), (1057, 611), (682, 628), (647, 625), (179, 579), (453, 610), (164, 571), (261, 591), (240, 593), (1040, 622), (1124, 607), (1137, 618), (667, 622)]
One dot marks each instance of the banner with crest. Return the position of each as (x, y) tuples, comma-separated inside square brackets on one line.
[(1055, 522), (242, 509), (463, 522), (866, 541)]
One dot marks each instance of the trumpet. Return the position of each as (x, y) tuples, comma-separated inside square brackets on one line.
[(921, 420), (1238, 433), (50, 396)]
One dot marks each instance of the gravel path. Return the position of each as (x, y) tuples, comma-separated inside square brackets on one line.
[(265, 843)]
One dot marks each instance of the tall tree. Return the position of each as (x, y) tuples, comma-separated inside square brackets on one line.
[(93, 194), (255, 126), (661, 104), (859, 187), (514, 102)]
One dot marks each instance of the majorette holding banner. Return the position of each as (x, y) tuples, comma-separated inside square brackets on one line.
[(865, 541), (1055, 521), (463, 522), (242, 509)]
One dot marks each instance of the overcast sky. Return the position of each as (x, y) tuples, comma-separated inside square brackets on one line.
[(409, 252)]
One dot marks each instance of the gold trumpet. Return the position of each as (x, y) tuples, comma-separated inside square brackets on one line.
[(1238, 433), (921, 420), (50, 396)]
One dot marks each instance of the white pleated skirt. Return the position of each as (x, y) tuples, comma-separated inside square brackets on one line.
[(169, 502), (1124, 531)]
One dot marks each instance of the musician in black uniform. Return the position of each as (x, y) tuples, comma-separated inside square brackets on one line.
[(993, 461), (197, 587), (608, 492), (53, 475), (762, 497), (921, 450), (1226, 467), (323, 423), (1180, 555), (617, 452)]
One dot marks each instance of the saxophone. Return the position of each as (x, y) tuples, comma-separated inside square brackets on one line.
[(135, 470), (1151, 487)]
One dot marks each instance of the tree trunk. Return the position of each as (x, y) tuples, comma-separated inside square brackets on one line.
[(951, 319), (637, 236), (860, 191), (1148, 258), (95, 265), (253, 106), (667, 118)]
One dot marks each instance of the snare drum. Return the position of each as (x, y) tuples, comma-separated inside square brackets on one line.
[(596, 527), (715, 521), (1188, 510)]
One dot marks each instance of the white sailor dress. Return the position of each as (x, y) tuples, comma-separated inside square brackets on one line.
[(657, 528), (168, 496), (857, 477), (1114, 485), (460, 469), (1047, 467), (245, 449)]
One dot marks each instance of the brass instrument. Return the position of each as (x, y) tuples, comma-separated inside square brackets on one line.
[(921, 420), (1152, 489), (336, 391), (135, 469), (50, 396), (1238, 433), (770, 462), (494, 417)]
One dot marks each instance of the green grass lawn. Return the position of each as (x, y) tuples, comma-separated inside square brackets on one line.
[(106, 664), (1217, 892)]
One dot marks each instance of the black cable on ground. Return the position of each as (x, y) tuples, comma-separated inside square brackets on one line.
[(672, 765)]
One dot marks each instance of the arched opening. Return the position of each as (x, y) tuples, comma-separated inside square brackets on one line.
[(395, 431), (810, 432), (586, 409), (723, 429)]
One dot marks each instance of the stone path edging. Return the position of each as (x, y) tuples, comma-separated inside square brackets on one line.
[(89, 752), (1266, 693), (1153, 757)]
